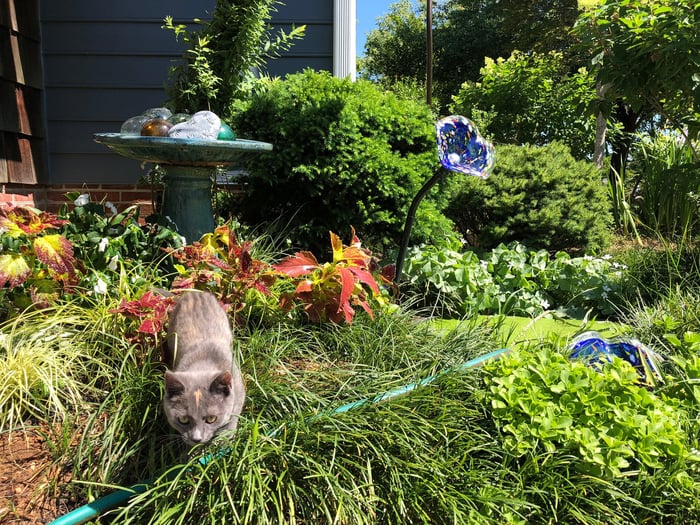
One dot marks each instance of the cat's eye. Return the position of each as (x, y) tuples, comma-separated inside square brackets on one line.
[(183, 420), (210, 419)]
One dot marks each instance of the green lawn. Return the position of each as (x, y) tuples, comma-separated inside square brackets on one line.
[(521, 331)]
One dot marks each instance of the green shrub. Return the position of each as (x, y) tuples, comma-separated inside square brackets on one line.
[(531, 98), (540, 196), (345, 154)]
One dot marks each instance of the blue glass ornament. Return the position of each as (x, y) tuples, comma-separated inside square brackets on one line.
[(462, 149), (593, 349)]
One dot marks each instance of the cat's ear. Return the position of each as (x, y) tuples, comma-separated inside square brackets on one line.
[(173, 386), (222, 384)]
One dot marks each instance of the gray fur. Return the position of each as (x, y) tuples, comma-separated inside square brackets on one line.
[(204, 391)]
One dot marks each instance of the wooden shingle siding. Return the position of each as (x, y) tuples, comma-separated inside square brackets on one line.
[(107, 61), (21, 116)]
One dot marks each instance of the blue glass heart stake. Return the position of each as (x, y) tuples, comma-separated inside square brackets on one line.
[(462, 149), (593, 349)]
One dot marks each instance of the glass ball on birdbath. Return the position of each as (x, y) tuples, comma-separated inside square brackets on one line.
[(202, 125), (462, 149), (163, 113), (132, 126), (156, 127), (226, 133)]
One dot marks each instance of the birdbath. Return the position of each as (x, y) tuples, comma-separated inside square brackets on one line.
[(189, 167)]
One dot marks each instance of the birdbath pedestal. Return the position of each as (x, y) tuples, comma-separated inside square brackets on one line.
[(189, 167)]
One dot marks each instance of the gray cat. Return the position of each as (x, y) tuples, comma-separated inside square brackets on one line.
[(204, 392)]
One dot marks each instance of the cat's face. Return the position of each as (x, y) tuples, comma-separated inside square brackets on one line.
[(197, 404)]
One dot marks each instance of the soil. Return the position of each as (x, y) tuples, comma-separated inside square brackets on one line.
[(29, 480)]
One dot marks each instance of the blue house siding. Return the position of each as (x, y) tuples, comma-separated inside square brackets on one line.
[(106, 61)]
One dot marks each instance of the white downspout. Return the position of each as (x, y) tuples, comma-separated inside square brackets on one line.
[(344, 35)]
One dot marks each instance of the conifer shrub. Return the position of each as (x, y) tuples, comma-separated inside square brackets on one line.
[(539, 196), (345, 154)]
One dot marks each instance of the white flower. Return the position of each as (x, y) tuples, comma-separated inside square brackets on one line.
[(100, 287), (82, 200), (607, 256), (113, 263), (606, 288), (544, 304), (604, 295), (111, 207), (104, 242)]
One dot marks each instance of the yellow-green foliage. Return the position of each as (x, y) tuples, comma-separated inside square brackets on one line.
[(45, 368)]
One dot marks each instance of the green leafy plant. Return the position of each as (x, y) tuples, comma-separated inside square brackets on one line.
[(669, 186), (532, 98), (223, 55), (329, 291), (513, 279), (103, 237)]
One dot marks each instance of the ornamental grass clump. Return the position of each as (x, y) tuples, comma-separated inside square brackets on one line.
[(49, 368)]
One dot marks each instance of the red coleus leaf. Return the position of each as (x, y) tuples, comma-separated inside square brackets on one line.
[(17, 220), (301, 263), (151, 308), (353, 255), (365, 307), (141, 306), (307, 285), (197, 254), (14, 269), (151, 326), (365, 277), (56, 252), (347, 285), (337, 246)]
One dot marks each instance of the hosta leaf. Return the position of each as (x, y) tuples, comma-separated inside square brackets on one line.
[(14, 269), (56, 252)]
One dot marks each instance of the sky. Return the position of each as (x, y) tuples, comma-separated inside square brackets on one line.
[(367, 13)]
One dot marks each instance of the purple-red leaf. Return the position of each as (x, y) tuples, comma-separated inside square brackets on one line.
[(56, 252), (347, 285), (19, 220), (365, 277), (301, 263)]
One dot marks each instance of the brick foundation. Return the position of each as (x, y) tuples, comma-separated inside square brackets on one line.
[(51, 198)]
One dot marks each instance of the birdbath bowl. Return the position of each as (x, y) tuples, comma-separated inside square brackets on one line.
[(189, 167)]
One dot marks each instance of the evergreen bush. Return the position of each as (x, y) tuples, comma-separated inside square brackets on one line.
[(540, 196), (345, 154)]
